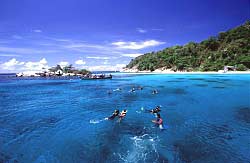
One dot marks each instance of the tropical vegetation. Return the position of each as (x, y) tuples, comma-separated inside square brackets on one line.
[(231, 48), (69, 69)]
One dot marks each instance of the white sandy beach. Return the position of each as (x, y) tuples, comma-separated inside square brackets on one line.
[(167, 71)]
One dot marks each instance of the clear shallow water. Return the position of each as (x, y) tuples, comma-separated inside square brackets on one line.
[(207, 119)]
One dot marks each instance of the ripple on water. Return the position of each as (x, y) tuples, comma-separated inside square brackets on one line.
[(34, 126)]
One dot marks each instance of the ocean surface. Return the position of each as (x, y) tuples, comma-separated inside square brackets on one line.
[(206, 119)]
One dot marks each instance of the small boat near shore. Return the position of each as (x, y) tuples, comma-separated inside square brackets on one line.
[(96, 77)]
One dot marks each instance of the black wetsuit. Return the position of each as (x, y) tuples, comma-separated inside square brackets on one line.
[(155, 110), (113, 116)]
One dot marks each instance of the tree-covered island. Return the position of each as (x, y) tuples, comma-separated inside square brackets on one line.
[(231, 48)]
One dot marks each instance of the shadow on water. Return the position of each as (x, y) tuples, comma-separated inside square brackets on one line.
[(243, 114)]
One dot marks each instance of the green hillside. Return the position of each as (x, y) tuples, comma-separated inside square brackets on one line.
[(231, 48)]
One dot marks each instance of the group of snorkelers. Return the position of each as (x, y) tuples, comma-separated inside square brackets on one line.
[(158, 121), (133, 90), (118, 114)]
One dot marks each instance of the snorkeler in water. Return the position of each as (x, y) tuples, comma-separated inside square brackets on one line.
[(154, 92), (132, 90), (122, 115), (158, 121), (156, 110), (140, 88), (109, 92), (118, 89), (115, 114)]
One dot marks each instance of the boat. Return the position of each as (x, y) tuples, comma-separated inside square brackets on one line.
[(96, 77)]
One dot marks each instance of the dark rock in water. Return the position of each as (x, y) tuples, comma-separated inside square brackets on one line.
[(201, 85), (7, 159), (213, 81), (172, 104), (204, 144), (171, 90), (197, 79), (53, 83), (103, 154), (175, 81), (4, 158), (219, 87), (179, 91), (162, 159), (132, 129), (243, 114)]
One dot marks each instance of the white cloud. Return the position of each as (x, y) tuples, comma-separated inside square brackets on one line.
[(17, 37), (97, 57), (43, 61), (37, 30), (84, 45), (133, 55), (63, 63), (9, 55), (116, 67), (157, 29), (137, 45), (35, 66), (80, 62), (15, 65), (141, 30), (24, 50), (106, 62), (11, 64), (120, 66)]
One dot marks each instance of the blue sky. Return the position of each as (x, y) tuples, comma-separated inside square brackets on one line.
[(105, 34)]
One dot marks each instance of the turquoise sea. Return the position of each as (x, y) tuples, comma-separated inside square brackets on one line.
[(206, 119)]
